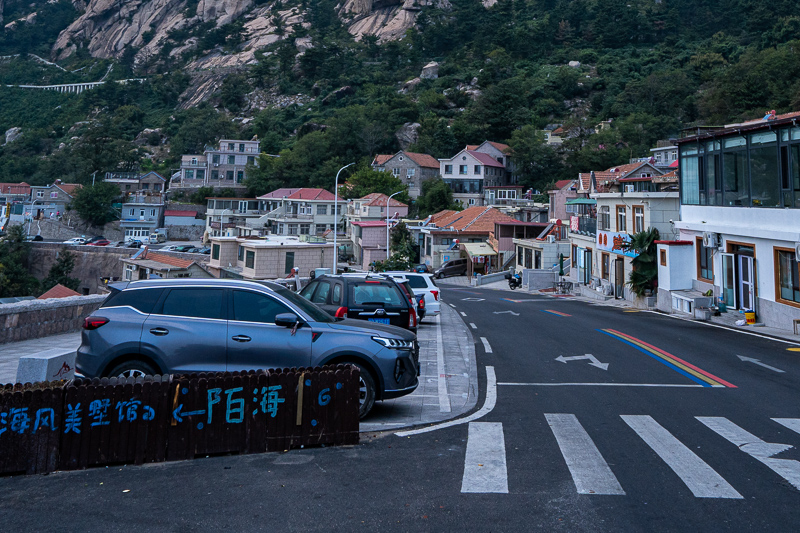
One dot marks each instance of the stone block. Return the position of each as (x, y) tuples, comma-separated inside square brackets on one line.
[(48, 365)]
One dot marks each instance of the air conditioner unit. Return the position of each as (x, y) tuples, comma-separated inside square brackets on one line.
[(797, 251), (551, 238), (216, 164), (629, 187), (710, 240)]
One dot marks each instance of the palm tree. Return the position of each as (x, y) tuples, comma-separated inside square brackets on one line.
[(644, 275)]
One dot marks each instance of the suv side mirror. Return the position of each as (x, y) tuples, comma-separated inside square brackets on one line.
[(287, 320)]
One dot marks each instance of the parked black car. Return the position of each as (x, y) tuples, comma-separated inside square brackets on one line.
[(370, 297), (184, 326)]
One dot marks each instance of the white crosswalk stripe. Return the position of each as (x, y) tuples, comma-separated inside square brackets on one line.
[(485, 462), (589, 470), (701, 479), (791, 423), (788, 469)]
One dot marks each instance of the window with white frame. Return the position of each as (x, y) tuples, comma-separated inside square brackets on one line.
[(638, 219), (410, 172), (322, 209), (293, 228), (129, 270), (39, 194), (448, 169), (305, 209), (305, 229), (622, 219), (604, 218), (54, 194), (462, 169), (396, 171)]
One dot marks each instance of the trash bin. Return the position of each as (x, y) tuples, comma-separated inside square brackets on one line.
[(702, 313), (750, 316)]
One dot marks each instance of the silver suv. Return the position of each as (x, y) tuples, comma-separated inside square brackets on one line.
[(181, 326)]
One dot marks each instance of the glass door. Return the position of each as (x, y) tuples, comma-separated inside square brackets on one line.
[(587, 267), (619, 278), (747, 282), (729, 288)]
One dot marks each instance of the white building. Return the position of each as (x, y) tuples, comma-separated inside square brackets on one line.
[(224, 166), (740, 212), (299, 211)]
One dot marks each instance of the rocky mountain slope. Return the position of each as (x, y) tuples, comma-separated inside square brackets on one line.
[(108, 27)]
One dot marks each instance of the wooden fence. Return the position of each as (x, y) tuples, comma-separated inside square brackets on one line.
[(57, 426)]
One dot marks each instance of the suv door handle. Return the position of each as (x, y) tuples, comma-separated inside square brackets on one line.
[(241, 338), (159, 331)]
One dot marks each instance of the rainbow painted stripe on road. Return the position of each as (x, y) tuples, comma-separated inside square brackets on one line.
[(685, 368), (553, 312)]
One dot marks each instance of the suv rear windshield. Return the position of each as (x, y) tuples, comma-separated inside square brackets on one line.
[(417, 282), (143, 300), (316, 314), (367, 293)]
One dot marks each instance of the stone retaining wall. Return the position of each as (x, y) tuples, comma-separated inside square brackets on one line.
[(32, 319)]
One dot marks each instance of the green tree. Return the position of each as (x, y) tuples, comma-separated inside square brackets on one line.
[(366, 181), (436, 196), (60, 271), (93, 203), (535, 163), (644, 275), (199, 196), (14, 277)]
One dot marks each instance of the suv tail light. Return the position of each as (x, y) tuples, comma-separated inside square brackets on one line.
[(341, 312), (422, 303), (412, 318), (435, 295), (94, 322)]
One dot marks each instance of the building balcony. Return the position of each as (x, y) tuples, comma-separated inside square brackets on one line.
[(155, 198), (583, 225)]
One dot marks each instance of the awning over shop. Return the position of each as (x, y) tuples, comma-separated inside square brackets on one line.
[(582, 201), (478, 249)]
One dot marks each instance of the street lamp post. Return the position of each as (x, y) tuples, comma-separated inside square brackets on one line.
[(387, 223), (336, 217)]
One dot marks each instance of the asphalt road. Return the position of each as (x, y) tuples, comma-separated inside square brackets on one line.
[(675, 434)]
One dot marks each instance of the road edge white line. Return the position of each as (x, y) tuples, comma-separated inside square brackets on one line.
[(488, 406), (472, 325), (444, 398), (720, 326), (486, 345)]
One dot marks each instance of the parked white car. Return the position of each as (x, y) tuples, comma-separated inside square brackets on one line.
[(422, 284), (76, 240)]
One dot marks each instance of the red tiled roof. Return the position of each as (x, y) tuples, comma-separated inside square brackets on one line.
[(370, 223), (560, 184), (486, 159), (304, 193), (380, 159), (59, 291), (176, 213), (557, 131), (500, 146), (167, 260), (423, 160), (69, 188), (20, 188), (379, 199), (441, 215), (472, 147), (476, 219)]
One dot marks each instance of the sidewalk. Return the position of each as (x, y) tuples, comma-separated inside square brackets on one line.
[(448, 380)]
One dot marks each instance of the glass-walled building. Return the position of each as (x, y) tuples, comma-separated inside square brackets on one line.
[(740, 210)]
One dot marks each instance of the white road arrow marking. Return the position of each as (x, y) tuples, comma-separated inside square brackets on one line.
[(593, 359), (759, 363), (472, 299), (504, 312)]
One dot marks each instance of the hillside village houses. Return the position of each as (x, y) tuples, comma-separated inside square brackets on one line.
[(475, 167), (372, 207), (298, 211), (48, 201), (223, 166), (133, 182), (412, 168)]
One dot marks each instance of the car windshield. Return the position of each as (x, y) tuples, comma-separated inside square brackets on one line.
[(316, 314)]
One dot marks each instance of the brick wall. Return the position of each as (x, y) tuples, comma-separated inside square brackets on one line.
[(32, 319)]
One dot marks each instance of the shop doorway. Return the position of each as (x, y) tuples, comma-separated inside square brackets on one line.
[(619, 278), (739, 276)]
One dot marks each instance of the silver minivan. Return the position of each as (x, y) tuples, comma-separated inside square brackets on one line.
[(182, 326), (454, 267)]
